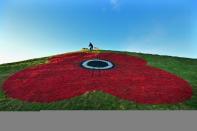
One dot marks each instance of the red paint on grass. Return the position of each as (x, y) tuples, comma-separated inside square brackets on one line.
[(130, 79)]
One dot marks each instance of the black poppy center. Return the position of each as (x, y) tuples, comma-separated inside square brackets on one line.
[(97, 64)]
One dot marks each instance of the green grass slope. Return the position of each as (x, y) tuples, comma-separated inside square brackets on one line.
[(183, 67)]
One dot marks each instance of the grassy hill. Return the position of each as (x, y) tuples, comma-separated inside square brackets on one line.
[(183, 67)]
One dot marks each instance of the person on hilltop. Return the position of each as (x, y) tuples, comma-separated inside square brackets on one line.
[(91, 46)]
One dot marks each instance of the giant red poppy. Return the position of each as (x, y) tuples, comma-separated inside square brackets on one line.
[(130, 79)]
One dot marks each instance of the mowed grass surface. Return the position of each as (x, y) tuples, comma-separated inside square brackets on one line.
[(183, 67)]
